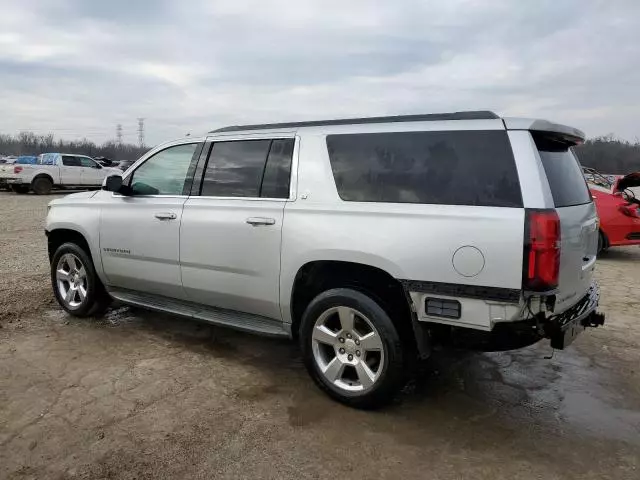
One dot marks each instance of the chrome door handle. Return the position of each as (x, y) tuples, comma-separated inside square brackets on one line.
[(255, 221), (166, 216)]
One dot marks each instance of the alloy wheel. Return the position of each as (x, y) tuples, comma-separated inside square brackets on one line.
[(348, 349), (71, 280)]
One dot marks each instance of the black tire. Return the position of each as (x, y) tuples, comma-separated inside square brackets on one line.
[(20, 189), (42, 185), (96, 300), (603, 243), (392, 376)]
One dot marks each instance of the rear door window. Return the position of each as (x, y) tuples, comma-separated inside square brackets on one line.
[(249, 168), (451, 168), (47, 159), (71, 161), (277, 172), (566, 181), (235, 168)]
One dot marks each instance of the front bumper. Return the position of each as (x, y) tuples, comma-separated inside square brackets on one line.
[(563, 328)]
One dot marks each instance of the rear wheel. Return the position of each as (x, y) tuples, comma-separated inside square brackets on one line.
[(21, 189), (42, 185), (75, 284), (351, 348)]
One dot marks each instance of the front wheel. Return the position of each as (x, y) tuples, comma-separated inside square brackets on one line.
[(351, 348), (75, 284)]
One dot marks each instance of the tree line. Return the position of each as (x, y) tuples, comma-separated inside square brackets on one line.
[(606, 154), (29, 143), (610, 155)]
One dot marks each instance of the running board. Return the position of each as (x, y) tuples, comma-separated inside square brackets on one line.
[(217, 316)]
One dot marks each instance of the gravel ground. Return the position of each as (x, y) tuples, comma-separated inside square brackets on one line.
[(142, 395)]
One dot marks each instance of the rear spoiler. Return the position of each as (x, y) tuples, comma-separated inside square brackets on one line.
[(568, 134)]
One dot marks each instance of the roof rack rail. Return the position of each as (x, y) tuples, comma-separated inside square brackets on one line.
[(428, 117)]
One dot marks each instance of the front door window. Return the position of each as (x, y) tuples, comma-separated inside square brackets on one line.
[(165, 173)]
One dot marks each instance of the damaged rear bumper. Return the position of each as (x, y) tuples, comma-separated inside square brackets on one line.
[(562, 329)]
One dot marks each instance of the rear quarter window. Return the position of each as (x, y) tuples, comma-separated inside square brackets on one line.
[(564, 174), (451, 168)]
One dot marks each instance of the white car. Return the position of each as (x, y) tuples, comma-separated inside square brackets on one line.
[(369, 241), (55, 171)]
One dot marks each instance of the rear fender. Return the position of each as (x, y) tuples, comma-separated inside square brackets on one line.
[(42, 175), (290, 270)]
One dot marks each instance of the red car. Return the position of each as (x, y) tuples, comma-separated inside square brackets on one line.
[(618, 208)]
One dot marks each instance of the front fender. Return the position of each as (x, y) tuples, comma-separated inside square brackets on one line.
[(84, 220)]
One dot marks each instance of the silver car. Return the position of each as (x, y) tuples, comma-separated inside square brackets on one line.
[(369, 241)]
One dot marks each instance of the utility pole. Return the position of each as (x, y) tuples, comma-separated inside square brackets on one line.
[(141, 132), (119, 133)]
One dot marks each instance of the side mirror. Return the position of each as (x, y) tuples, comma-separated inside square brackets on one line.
[(112, 183)]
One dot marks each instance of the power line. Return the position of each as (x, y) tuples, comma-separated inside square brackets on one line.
[(141, 131), (119, 133)]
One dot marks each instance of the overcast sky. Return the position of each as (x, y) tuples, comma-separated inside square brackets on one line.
[(79, 67)]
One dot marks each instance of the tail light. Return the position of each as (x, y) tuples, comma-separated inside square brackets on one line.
[(541, 250), (630, 210), (17, 169)]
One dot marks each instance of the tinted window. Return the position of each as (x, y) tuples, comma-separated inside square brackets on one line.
[(235, 168), (277, 173), (454, 168), (69, 161), (566, 181), (165, 172)]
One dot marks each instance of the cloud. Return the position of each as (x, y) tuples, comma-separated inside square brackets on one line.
[(78, 68)]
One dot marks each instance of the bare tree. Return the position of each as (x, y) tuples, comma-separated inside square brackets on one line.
[(609, 154), (28, 143)]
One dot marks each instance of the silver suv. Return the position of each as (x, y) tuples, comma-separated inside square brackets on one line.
[(367, 240)]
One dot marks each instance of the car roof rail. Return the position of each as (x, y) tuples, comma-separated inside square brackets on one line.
[(427, 117)]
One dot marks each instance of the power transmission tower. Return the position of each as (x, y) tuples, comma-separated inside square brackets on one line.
[(119, 133), (141, 131)]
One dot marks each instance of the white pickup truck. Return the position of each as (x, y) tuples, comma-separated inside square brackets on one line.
[(55, 170)]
